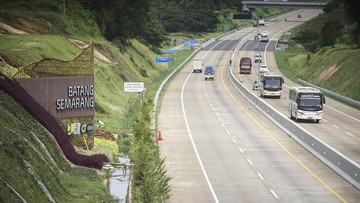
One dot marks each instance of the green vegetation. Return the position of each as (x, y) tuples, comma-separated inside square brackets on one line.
[(27, 49), (26, 146), (137, 35), (333, 68), (151, 184), (324, 51)]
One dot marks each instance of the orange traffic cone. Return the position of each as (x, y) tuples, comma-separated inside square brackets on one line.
[(159, 136)]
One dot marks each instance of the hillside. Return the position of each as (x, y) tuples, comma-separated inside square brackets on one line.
[(29, 35), (335, 66), (27, 161)]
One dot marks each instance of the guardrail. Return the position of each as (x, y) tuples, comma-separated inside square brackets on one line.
[(338, 162), (341, 164), (158, 92), (333, 94)]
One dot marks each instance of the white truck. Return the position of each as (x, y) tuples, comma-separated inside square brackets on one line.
[(261, 22), (197, 65)]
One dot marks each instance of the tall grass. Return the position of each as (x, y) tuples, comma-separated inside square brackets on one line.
[(334, 68), (18, 144)]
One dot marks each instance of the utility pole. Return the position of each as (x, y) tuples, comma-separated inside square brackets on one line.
[(258, 72)]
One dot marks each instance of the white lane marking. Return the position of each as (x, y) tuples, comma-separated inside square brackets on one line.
[(264, 57), (336, 126), (241, 150), (341, 112), (260, 176), (350, 134), (250, 162), (228, 132), (194, 145), (325, 120), (233, 140), (272, 191)]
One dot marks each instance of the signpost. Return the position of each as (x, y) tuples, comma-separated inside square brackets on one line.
[(242, 16), (133, 86), (171, 51)]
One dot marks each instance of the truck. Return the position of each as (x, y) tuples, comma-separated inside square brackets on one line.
[(261, 22), (271, 84), (197, 65), (255, 23)]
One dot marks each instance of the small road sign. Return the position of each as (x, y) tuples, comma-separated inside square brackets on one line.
[(133, 86), (160, 59)]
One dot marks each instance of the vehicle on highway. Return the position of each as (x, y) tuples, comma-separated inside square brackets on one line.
[(261, 22), (264, 37), (245, 65), (271, 85), (258, 58), (209, 72), (263, 68), (197, 65), (255, 85), (255, 23), (306, 103)]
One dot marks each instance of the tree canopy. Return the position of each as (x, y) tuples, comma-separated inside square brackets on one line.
[(151, 20)]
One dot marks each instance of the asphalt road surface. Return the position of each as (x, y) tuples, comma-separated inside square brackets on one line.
[(219, 148)]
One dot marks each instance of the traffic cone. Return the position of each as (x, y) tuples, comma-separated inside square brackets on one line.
[(159, 136)]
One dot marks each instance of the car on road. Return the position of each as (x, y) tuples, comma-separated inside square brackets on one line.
[(263, 68), (258, 58), (209, 72), (255, 85)]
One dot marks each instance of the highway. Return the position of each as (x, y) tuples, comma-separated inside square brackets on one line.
[(219, 148)]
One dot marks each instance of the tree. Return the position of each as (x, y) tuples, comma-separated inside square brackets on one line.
[(330, 32)]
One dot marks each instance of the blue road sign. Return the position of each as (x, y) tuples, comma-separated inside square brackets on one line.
[(171, 51), (189, 42), (163, 59)]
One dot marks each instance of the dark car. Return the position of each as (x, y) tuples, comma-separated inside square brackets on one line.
[(255, 85), (209, 72)]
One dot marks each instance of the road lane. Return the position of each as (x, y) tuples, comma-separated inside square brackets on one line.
[(245, 157), (340, 127)]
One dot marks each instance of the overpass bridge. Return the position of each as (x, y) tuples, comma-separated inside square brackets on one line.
[(292, 4)]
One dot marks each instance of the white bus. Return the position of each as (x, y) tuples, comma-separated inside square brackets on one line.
[(271, 85), (306, 103)]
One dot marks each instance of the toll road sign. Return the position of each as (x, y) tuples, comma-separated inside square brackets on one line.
[(160, 59), (171, 51)]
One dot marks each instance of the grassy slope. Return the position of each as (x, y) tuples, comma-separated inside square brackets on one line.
[(112, 106), (334, 68), (22, 139), (116, 109)]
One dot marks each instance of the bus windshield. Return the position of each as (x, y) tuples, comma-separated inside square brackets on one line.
[(272, 83), (310, 103)]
